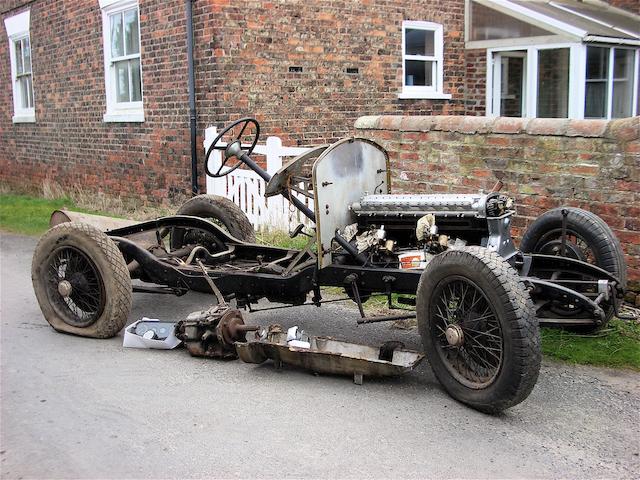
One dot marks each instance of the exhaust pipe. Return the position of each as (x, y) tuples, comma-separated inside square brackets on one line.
[(100, 222)]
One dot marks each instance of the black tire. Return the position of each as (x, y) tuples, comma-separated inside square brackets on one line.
[(98, 289), (223, 211), (479, 376), (594, 239)]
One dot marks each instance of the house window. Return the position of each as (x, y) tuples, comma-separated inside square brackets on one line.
[(609, 82), (123, 69), (17, 28), (422, 61)]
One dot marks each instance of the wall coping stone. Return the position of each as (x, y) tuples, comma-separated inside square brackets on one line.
[(623, 129)]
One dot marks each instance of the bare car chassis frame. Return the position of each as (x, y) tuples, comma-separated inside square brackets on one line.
[(478, 301)]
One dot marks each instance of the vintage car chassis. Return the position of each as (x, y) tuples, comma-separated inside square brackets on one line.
[(249, 286)]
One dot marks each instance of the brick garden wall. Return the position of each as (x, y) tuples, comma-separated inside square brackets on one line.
[(544, 163)]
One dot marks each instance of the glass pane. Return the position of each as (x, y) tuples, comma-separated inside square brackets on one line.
[(136, 84), (622, 102), (117, 45), (489, 24), (30, 91), (511, 86), (553, 83), (419, 42), (122, 81), (597, 63), (595, 104), (23, 87), (418, 73), (27, 55), (19, 66), (131, 31)]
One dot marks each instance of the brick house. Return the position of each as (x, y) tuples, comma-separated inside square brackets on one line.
[(96, 91)]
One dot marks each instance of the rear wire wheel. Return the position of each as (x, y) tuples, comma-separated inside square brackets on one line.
[(81, 281), (479, 329), (219, 210), (589, 239)]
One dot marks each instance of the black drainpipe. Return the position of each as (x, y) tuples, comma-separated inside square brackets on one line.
[(192, 100)]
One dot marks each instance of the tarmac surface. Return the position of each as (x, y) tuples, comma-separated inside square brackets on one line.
[(80, 408)]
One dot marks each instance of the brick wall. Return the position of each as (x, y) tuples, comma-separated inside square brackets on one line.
[(544, 163), (70, 143), (475, 81), (243, 51)]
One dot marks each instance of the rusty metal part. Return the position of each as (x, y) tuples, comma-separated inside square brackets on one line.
[(212, 333), (386, 318), (99, 221), (454, 335), (65, 288), (327, 355)]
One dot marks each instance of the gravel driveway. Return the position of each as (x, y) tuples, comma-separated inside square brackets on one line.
[(81, 408)]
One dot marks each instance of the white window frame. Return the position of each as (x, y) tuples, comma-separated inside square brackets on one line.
[(610, 80), (17, 27), (119, 112), (435, 91), (576, 78)]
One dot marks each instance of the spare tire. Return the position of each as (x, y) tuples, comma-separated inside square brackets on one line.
[(589, 239)]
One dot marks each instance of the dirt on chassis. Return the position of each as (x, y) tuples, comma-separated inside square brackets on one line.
[(479, 300)]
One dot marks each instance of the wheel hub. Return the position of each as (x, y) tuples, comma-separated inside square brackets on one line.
[(64, 288), (454, 335)]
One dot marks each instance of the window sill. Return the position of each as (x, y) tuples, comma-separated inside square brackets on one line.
[(24, 118), (424, 95), (133, 117)]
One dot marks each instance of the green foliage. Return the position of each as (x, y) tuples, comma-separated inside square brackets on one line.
[(28, 215), (278, 238), (617, 345)]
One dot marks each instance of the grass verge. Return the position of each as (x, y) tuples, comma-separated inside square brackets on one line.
[(28, 215), (618, 345)]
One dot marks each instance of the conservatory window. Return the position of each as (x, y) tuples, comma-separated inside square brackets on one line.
[(609, 82)]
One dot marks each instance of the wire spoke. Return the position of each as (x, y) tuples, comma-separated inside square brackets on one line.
[(476, 359)]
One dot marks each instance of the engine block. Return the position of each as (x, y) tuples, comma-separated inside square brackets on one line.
[(472, 205)]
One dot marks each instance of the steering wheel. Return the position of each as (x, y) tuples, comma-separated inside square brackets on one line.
[(233, 148)]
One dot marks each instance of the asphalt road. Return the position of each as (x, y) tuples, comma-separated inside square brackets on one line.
[(81, 408)]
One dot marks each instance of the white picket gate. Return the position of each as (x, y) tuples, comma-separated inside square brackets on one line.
[(246, 189)]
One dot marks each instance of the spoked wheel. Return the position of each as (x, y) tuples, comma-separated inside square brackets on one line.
[(589, 239), (81, 281), (469, 335), (74, 286), (478, 328)]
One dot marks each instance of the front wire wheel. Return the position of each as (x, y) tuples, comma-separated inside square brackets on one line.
[(479, 329), (469, 333)]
